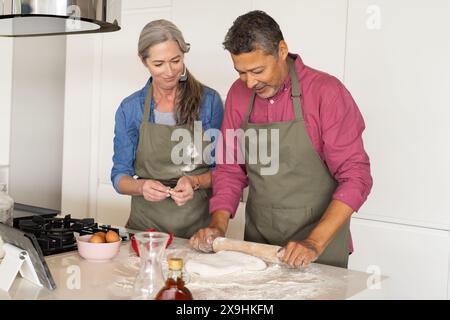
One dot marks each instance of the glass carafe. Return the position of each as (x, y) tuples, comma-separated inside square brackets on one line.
[(150, 278)]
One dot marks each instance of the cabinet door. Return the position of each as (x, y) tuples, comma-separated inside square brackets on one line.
[(112, 208), (415, 259), (398, 70), (6, 50)]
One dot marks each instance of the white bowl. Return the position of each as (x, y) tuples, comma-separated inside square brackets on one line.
[(97, 252)]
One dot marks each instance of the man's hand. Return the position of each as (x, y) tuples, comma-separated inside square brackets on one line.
[(183, 192), (154, 191), (203, 239), (302, 253), (298, 254)]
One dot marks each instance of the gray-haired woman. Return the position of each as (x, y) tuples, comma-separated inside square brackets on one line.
[(167, 196)]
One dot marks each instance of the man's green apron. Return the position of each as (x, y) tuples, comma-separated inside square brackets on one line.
[(288, 205), (153, 161)]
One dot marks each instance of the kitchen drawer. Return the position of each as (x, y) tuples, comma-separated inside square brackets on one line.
[(415, 259)]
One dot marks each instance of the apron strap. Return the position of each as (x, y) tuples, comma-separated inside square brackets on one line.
[(295, 94), (295, 90), (148, 100), (250, 108)]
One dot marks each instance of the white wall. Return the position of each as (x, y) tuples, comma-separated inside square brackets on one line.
[(398, 75), (37, 121)]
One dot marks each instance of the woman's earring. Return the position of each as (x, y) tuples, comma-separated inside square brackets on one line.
[(184, 76)]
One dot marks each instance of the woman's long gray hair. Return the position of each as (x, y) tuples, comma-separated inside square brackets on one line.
[(190, 92)]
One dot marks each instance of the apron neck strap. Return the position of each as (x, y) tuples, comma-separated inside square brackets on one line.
[(250, 108), (148, 100), (295, 94)]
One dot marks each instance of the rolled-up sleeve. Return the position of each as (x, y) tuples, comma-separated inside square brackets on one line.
[(343, 148), (125, 141)]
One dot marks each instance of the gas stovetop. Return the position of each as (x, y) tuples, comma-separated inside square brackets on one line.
[(57, 234)]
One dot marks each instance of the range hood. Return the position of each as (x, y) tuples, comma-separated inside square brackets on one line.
[(31, 18)]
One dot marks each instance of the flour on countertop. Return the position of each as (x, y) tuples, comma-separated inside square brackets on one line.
[(277, 282)]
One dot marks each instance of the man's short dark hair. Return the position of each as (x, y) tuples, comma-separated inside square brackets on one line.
[(252, 31)]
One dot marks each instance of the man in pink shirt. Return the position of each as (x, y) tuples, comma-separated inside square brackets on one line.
[(322, 171)]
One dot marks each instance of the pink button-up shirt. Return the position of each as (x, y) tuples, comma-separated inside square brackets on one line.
[(334, 125)]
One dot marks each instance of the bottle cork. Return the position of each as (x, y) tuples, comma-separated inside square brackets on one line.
[(175, 264)]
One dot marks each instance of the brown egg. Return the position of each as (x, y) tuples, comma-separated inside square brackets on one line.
[(96, 239), (112, 236), (101, 234)]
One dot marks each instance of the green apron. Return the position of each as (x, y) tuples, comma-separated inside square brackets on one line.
[(153, 161), (288, 205)]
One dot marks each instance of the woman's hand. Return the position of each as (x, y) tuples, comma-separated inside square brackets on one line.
[(183, 192), (154, 191)]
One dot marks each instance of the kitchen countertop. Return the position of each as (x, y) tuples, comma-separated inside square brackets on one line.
[(77, 278)]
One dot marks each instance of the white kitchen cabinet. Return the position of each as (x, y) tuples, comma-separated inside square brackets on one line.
[(6, 62), (83, 53), (397, 69), (415, 259), (112, 208)]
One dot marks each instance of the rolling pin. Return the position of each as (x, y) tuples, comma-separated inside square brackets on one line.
[(266, 252)]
